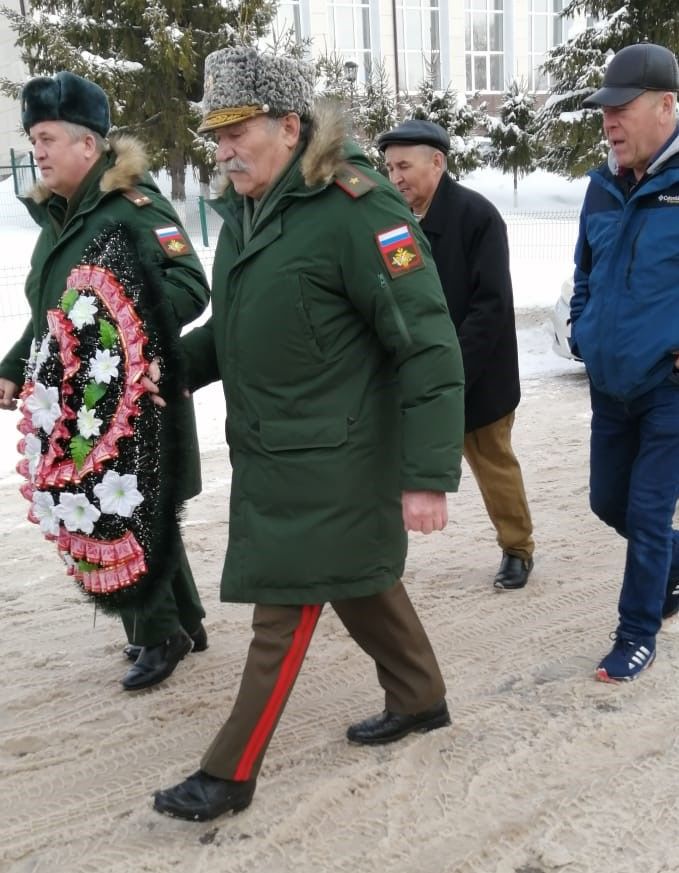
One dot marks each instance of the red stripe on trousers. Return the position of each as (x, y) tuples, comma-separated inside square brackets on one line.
[(290, 667)]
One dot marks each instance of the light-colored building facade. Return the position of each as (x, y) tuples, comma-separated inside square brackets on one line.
[(475, 46), (10, 68)]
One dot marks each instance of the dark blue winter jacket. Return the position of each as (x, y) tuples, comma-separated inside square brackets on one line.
[(625, 306)]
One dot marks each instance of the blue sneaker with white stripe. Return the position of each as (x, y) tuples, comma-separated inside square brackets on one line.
[(627, 659), (671, 605)]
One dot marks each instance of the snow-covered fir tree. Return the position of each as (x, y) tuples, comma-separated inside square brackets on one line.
[(331, 78), (376, 111), (147, 56), (455, 115), (370, 106), (512, 133), (572, 136)]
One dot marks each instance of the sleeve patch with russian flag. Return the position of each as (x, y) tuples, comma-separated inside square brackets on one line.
[(172, 240), (399, 250)]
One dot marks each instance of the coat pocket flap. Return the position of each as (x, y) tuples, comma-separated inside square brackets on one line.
[(306, 433)]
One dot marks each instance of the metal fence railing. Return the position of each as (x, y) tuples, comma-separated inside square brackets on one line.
[(539, 242), (540, 236)]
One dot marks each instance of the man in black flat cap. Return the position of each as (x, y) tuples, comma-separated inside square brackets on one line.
[(468, 239), (625, 327)]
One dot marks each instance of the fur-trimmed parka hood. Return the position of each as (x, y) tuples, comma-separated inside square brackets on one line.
[(325, 150), (130, 165)]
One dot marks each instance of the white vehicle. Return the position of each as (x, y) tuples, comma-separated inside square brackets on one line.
[(561, 321)]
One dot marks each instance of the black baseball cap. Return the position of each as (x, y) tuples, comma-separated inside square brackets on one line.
[(633, 70), (414, 131)]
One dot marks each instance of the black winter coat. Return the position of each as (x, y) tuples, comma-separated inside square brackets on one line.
[(468, 239)]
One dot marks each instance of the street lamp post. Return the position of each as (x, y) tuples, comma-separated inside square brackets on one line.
[(350, 76)]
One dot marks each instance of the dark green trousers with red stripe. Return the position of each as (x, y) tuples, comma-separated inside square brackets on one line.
[(384, 625)]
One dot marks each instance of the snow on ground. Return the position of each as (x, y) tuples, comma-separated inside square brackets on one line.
[(541, 251), (538, 192)]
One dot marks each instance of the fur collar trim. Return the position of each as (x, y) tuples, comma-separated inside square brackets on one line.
[(131, 162)]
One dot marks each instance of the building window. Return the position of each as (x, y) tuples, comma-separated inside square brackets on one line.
[(288, 19), (547, 29), (484, 45), (350, 32), (418, 28)]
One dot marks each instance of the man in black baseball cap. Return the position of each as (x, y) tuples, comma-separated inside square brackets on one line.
[(625, 327), (638, 98), (633, 70)]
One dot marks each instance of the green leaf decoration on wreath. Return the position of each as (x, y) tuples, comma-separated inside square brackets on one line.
[(86, 567), (68, 299), (80, 449), (107, 334), (93, 394)]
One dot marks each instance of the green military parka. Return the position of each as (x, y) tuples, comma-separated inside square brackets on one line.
[(343, 383), (118, 190)]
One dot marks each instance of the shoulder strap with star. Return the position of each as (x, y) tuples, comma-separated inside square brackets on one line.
[(352, 181), (136, 197)]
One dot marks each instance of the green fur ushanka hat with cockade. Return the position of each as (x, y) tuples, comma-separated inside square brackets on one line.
[(241, 82), (65, 97)]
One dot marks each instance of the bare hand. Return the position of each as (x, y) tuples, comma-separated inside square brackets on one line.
[(150, 382), (424, 511), (8, 394)]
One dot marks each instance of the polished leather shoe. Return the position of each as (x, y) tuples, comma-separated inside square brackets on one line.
[(389, 726), (513, 572), (199, 644), (202, 797), (156, 663)]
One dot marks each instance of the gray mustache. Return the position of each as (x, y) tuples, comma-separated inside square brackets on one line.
[(235, 165)]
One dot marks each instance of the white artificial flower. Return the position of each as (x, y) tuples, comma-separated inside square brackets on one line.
[(37, 356), (43, 353), (77, 513), (118, 495), (88, 425), (32, 451), (43, 405), (104, 366), (83, 311), (44, 509), (32, 355)]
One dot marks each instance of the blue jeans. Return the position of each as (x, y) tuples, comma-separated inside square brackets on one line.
[(634, 486)]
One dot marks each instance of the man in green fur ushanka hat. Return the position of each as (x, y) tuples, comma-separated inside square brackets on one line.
[(92, 187), (344, 389)]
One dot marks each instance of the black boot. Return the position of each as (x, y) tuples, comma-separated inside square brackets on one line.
[(389, 726), (513, 572), (202, 797), (199, 644), (156, 663)]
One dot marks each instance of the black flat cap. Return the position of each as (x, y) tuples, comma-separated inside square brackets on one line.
[(633, 70), (416, 132), (65, 97)]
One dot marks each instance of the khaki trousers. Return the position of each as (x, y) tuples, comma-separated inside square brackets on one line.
[(384, 625), (488, 451)]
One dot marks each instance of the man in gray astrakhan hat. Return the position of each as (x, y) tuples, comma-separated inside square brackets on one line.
[(625, 326), (344, 389)]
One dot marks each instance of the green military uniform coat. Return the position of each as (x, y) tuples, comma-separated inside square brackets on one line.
[(343, 383), (119, 190)]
